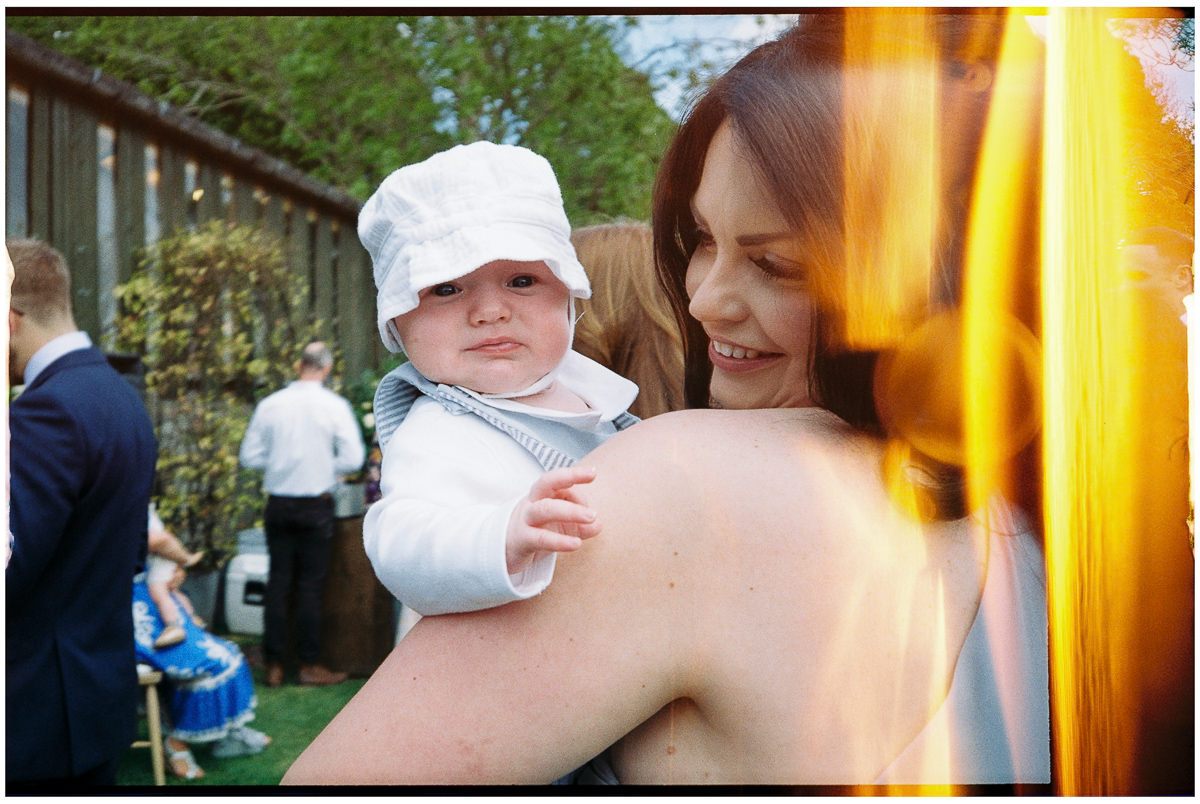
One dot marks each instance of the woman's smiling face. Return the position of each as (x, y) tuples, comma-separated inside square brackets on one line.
[(748, 286)]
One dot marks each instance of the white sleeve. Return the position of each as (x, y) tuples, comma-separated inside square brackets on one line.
[(155, 521), (255, 444), (349, 452), (436, 540)]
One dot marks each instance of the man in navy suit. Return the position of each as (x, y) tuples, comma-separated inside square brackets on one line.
[(82, 454)]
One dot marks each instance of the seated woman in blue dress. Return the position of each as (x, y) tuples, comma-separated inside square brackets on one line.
[(211, 697)]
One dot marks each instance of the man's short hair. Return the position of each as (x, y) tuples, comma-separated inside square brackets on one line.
[(1171, 244), (316, 356), (41, 287)]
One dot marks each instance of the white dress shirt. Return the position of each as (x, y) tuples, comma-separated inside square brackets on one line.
[(302, 437), (53, 350)]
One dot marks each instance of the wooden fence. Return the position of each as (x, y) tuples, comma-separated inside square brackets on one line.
[(101, 170)]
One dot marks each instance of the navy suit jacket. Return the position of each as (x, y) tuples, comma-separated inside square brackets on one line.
[(82, 465)]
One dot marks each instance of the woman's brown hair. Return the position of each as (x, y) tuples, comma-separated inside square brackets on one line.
[(784, 104), (788, 104), (790, 130)]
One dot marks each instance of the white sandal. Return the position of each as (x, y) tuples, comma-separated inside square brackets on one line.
[(171, 635), (253, 737), (240, 742), (191, 769)]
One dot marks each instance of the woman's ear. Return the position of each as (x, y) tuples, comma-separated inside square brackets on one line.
[(976, 77)]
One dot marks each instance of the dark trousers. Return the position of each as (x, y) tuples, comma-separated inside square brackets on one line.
[(103, 775), (299, 534)]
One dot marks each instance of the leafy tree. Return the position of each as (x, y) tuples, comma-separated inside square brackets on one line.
[(555, 85), (349, 99), (1185, 37), (1160, 124), (1165, 46)]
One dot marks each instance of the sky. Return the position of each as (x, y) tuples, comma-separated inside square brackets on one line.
[(724, 38), (1178, 78)]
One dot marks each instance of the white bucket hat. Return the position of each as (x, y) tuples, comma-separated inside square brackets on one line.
[(460, 209)]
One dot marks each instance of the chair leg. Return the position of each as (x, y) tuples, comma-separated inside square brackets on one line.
[(154, 724)]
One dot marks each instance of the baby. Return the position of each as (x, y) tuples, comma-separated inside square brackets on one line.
[(164, 561), (480, 429)]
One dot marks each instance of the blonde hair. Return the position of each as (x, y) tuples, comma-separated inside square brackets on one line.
[(627, 324), (41, 286)]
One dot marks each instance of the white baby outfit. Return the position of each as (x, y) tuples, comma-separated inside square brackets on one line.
[(455, 462), (450, 480)]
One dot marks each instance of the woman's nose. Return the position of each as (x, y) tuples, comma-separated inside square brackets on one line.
[(713, 292)]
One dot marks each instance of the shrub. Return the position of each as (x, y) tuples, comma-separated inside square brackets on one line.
[(219, 320), (361, 395)]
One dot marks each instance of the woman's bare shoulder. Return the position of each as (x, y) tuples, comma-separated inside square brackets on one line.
[(722, 437), (699, 425), (677, 469)]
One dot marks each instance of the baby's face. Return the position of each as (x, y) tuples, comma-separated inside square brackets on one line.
[(496, 330)]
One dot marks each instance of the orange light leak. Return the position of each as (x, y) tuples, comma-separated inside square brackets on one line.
[(1115, 499), (1082, 539), (1001, 377), (980, 359), (890, 188), (1053, 193)]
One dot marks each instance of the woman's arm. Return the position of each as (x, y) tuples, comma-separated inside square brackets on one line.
[(528, 691), (751, 563)]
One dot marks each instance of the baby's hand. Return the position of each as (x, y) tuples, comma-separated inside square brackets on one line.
[(551, 519)]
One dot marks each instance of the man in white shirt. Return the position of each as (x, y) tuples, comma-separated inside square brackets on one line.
[(302, 437), (1158, 261)]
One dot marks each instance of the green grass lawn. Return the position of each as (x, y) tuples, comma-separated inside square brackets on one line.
[(292, 715)]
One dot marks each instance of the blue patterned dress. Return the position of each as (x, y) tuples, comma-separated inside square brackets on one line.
[(211, 690)]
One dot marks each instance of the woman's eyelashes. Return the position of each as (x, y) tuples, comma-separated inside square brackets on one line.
[(772, 266), (775, 267), (769, 268)]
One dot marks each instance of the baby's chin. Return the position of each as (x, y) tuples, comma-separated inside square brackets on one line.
[(504, 383), (480, 385), (500, 379), (490, 387)]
